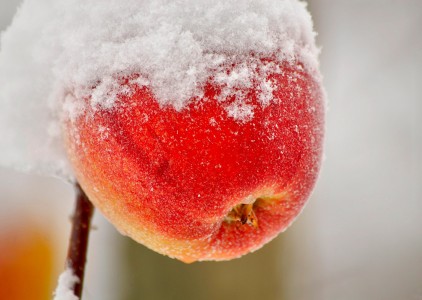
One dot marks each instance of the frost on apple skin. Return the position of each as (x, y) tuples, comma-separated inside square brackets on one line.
[(169, 179), (56, 48)]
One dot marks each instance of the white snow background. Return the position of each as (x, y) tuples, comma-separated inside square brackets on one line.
[(360, 236)]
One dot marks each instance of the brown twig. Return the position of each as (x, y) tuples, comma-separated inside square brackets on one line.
[(77, 251)]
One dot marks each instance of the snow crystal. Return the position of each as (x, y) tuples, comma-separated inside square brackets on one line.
[(64, 290), (56, 53)]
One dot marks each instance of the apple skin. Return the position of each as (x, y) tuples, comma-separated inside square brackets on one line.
[(169, 179)]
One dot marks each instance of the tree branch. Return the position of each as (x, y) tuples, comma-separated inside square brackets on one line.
[(77, 251)]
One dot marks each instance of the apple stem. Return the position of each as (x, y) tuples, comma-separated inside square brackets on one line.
[(78, 245)]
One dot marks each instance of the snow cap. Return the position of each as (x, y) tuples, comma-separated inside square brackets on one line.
[(58, 52)]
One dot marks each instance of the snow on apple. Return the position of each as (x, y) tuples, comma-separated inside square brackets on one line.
[(196, 127)]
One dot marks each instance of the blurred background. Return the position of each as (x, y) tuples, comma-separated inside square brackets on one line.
[(360, 236)]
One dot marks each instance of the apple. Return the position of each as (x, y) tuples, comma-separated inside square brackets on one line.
[(27, 260), (197, 183)]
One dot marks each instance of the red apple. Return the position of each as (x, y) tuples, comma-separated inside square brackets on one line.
[(197, 184)]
